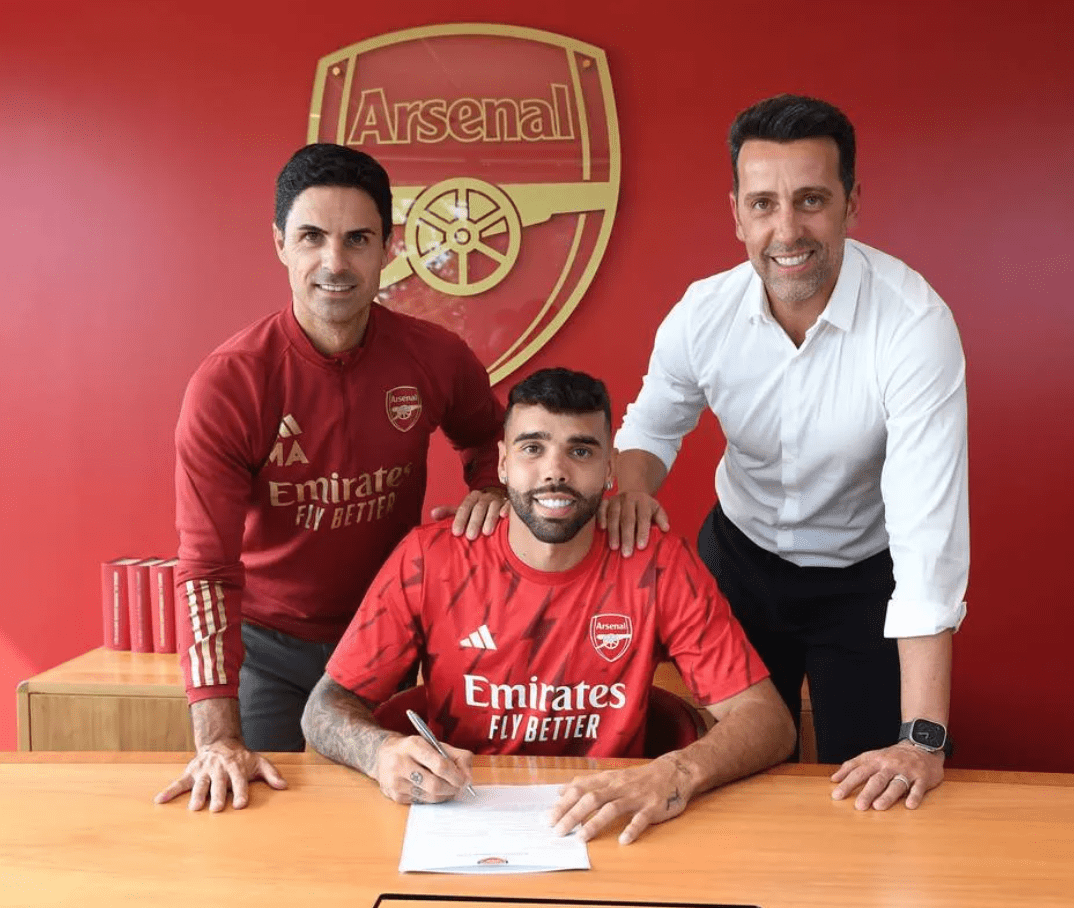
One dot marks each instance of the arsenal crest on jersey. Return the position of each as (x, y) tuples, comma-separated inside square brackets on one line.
[(502, 145), (404, 407), (611, 635)]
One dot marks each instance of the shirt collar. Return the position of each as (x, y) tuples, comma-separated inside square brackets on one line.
[(756, 299), (843, 302)]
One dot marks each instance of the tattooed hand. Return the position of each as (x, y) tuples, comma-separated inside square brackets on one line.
[(341, 726), (411, 772), (651, 794)]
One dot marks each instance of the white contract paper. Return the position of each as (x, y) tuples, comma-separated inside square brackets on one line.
[(505, 829)]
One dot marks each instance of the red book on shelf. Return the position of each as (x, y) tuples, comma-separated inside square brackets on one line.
[(114, 612), (162, 593), (139, 605)]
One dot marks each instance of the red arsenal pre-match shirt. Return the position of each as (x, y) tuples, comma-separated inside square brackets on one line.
[(297, 473), (517, 660)]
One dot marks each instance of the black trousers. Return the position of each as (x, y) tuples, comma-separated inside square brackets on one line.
[(277, 676), (826, 624), (278, 673)]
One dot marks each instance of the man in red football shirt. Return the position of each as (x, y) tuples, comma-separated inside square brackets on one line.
[(539, 639)]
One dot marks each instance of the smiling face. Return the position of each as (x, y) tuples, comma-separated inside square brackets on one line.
[(792, 213), (333, 248), (555, 466)]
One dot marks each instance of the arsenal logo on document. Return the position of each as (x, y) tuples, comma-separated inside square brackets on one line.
[(611, 635), (502, 145)]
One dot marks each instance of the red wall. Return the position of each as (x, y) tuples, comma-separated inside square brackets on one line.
[(139, 146)]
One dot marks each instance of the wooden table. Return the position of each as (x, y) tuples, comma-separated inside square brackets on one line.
[(80, 829)]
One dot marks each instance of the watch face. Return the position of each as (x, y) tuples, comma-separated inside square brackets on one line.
[(928, 734)]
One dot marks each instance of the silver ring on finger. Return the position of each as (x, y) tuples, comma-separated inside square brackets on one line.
[(899, 777), (417, 778)]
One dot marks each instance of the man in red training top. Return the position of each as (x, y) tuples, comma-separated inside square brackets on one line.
[(540, 639), (301, 462)]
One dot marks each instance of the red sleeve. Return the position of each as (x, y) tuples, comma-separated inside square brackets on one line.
[(697, 628), (213, 483), (473, 421), (385, 638)]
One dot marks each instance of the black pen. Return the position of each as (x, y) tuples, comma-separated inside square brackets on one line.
[(423, 730)]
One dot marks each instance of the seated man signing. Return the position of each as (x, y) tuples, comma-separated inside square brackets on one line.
[(508, 631)]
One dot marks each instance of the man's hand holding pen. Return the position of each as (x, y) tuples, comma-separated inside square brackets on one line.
[(422, 770), (410, 771)]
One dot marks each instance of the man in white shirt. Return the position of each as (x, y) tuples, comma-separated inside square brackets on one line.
[(841, 532)]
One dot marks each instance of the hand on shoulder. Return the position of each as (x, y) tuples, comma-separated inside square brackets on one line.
[(478, 513), (628, 517)]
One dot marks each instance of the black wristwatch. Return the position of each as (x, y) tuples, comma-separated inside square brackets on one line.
[(930, 736)]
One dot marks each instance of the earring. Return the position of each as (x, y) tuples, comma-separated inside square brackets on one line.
[(609, 484)]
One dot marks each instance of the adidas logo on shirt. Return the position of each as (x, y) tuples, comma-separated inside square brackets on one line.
[(479, 639), (289, 427)]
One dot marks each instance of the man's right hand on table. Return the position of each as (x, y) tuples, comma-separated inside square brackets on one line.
[(222, 761), (218, 767)]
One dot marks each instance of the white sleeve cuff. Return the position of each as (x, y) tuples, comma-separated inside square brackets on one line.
[(911, 618), (628, 439)]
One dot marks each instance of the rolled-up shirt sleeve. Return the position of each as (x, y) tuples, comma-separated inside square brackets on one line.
[(671, 399), (924, 481)]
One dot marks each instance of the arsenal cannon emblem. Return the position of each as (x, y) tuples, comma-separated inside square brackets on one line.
[(502, 144)]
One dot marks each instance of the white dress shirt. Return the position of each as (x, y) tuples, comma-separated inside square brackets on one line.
[(849, 444)]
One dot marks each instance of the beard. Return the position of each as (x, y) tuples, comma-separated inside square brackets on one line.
[(550, 529), (800, 288)]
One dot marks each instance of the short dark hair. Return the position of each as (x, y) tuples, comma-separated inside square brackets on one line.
[(561, 391), (325, 164), (787, 118)]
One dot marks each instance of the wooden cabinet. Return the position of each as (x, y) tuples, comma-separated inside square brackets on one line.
[(106, 700)]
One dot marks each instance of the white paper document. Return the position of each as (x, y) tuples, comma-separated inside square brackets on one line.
[(505, 829)]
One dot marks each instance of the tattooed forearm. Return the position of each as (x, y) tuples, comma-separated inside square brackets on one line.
[(340, 725)]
